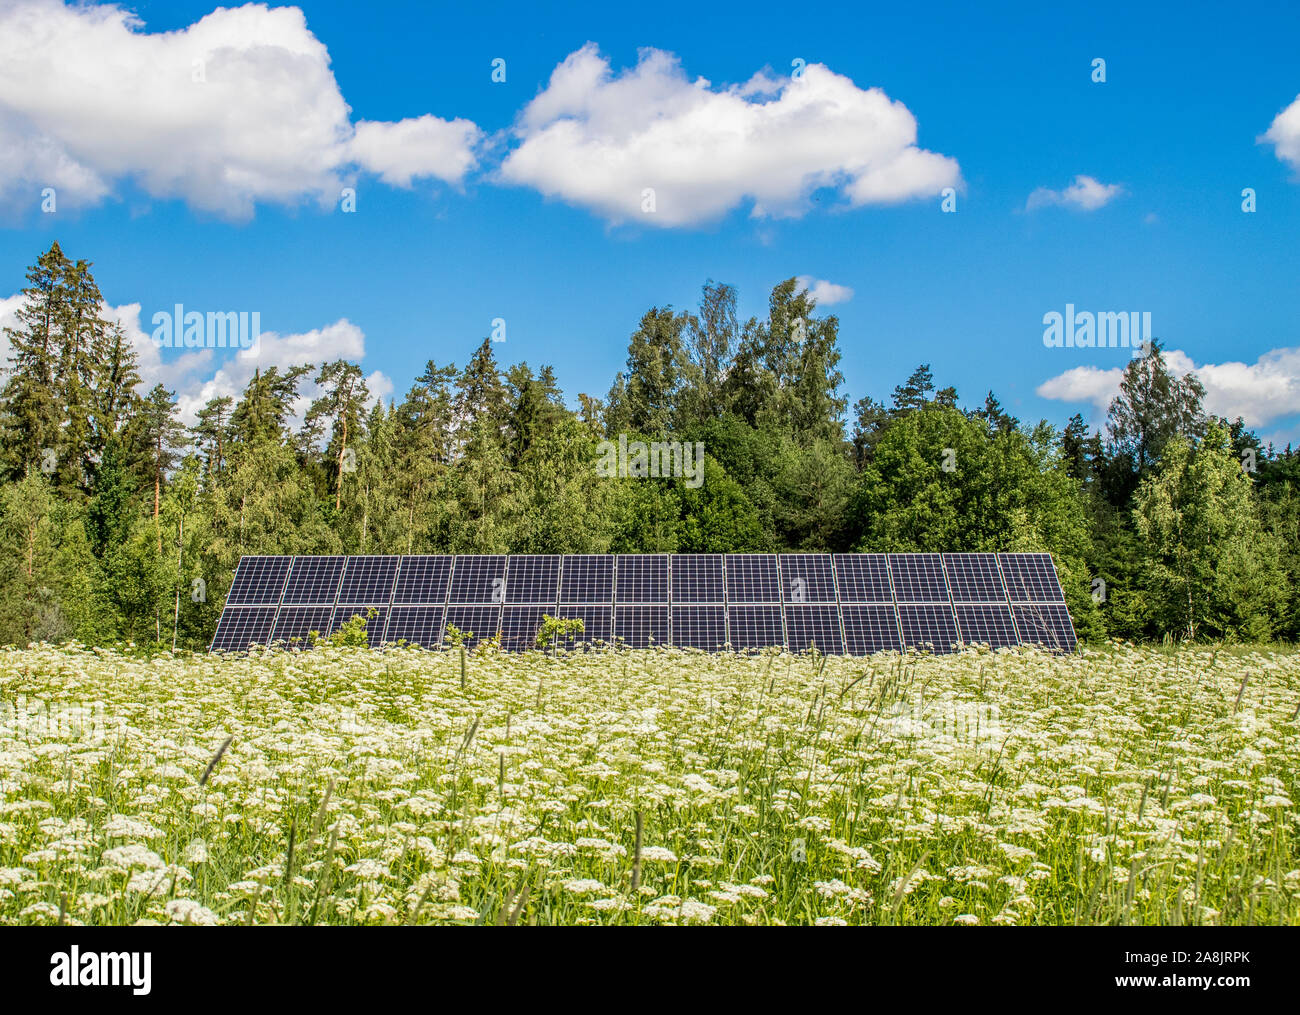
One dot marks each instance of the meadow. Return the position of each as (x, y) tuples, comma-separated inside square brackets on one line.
[(348, 786)]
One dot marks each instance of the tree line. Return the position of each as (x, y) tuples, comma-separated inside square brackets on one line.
[(120, 523)]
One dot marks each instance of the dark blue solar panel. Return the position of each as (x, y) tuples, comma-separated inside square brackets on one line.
[(807, 578), (697, 578), (520, 624), (479, 579), (755, 627), (870, 628), (1045, 624), (368, 581), (753, 578), (295, 624), (422, 580), (700, 627), (476, 623), (374, 625), (986, 624), (258, 581), (974, 577), (533, 579), (641, 626), (588, 579), (642, 578), (930, 627), (313, 580), (808, 626), (597, 624), (1030, 578), (918, 578), (242, 626), (863, 578), (415, 625)]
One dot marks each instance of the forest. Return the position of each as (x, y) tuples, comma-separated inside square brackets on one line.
[(120, 523)]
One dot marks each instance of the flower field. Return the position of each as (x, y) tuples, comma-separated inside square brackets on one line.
[(1147, 786)]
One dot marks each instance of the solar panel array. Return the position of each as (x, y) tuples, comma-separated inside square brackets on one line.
[(841, 604)]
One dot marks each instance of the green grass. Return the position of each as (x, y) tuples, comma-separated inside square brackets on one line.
[(1144, 786)]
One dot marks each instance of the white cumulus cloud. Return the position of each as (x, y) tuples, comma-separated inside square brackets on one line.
[(240, 107), (196, 377), (1260, 393), (601, 140), (1284, 134), (1085, 194), (822, 292)]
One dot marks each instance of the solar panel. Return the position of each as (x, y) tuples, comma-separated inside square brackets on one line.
[(374, 625), (986, 624), (476, 623), (313, 580), (807, 578), (533, 579), (241, 626), (974, 577), (641, 626), (806, 626), (870, 628), (416, 625), (1045, 624), (478, 579), (294, 624), (422, 580), (597, 624), (1031, 578), (755, 627), (642, 578), (258, 581), (927, 627), (753, 578), (700, 627), (862, 578), (368, 581), (846, 602), (697, 577), (587, 578), (520, 624), (918, 578)]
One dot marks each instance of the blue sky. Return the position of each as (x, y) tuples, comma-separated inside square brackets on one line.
[(472, 204)]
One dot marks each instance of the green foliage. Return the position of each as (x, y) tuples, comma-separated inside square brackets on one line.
[(351, 634), (118, 523), (554, 630)]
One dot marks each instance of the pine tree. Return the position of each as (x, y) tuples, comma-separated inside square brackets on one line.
[(342, 404)]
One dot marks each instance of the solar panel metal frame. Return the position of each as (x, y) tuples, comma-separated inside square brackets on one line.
[(697, 578), (804, 622), (1039, 569), (870, 628), (976, 621), (259, 580), (634, 587), (234, 624), (405, 620), (1031, 618), (753, 579), (924, 615), (815, 570), (636, 623), (581, 585), (750, 626), (520, 623), (862, 578), (474, 578), (472, 618), (534, 579), (598, 622), (699, 625), (653, 591)]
